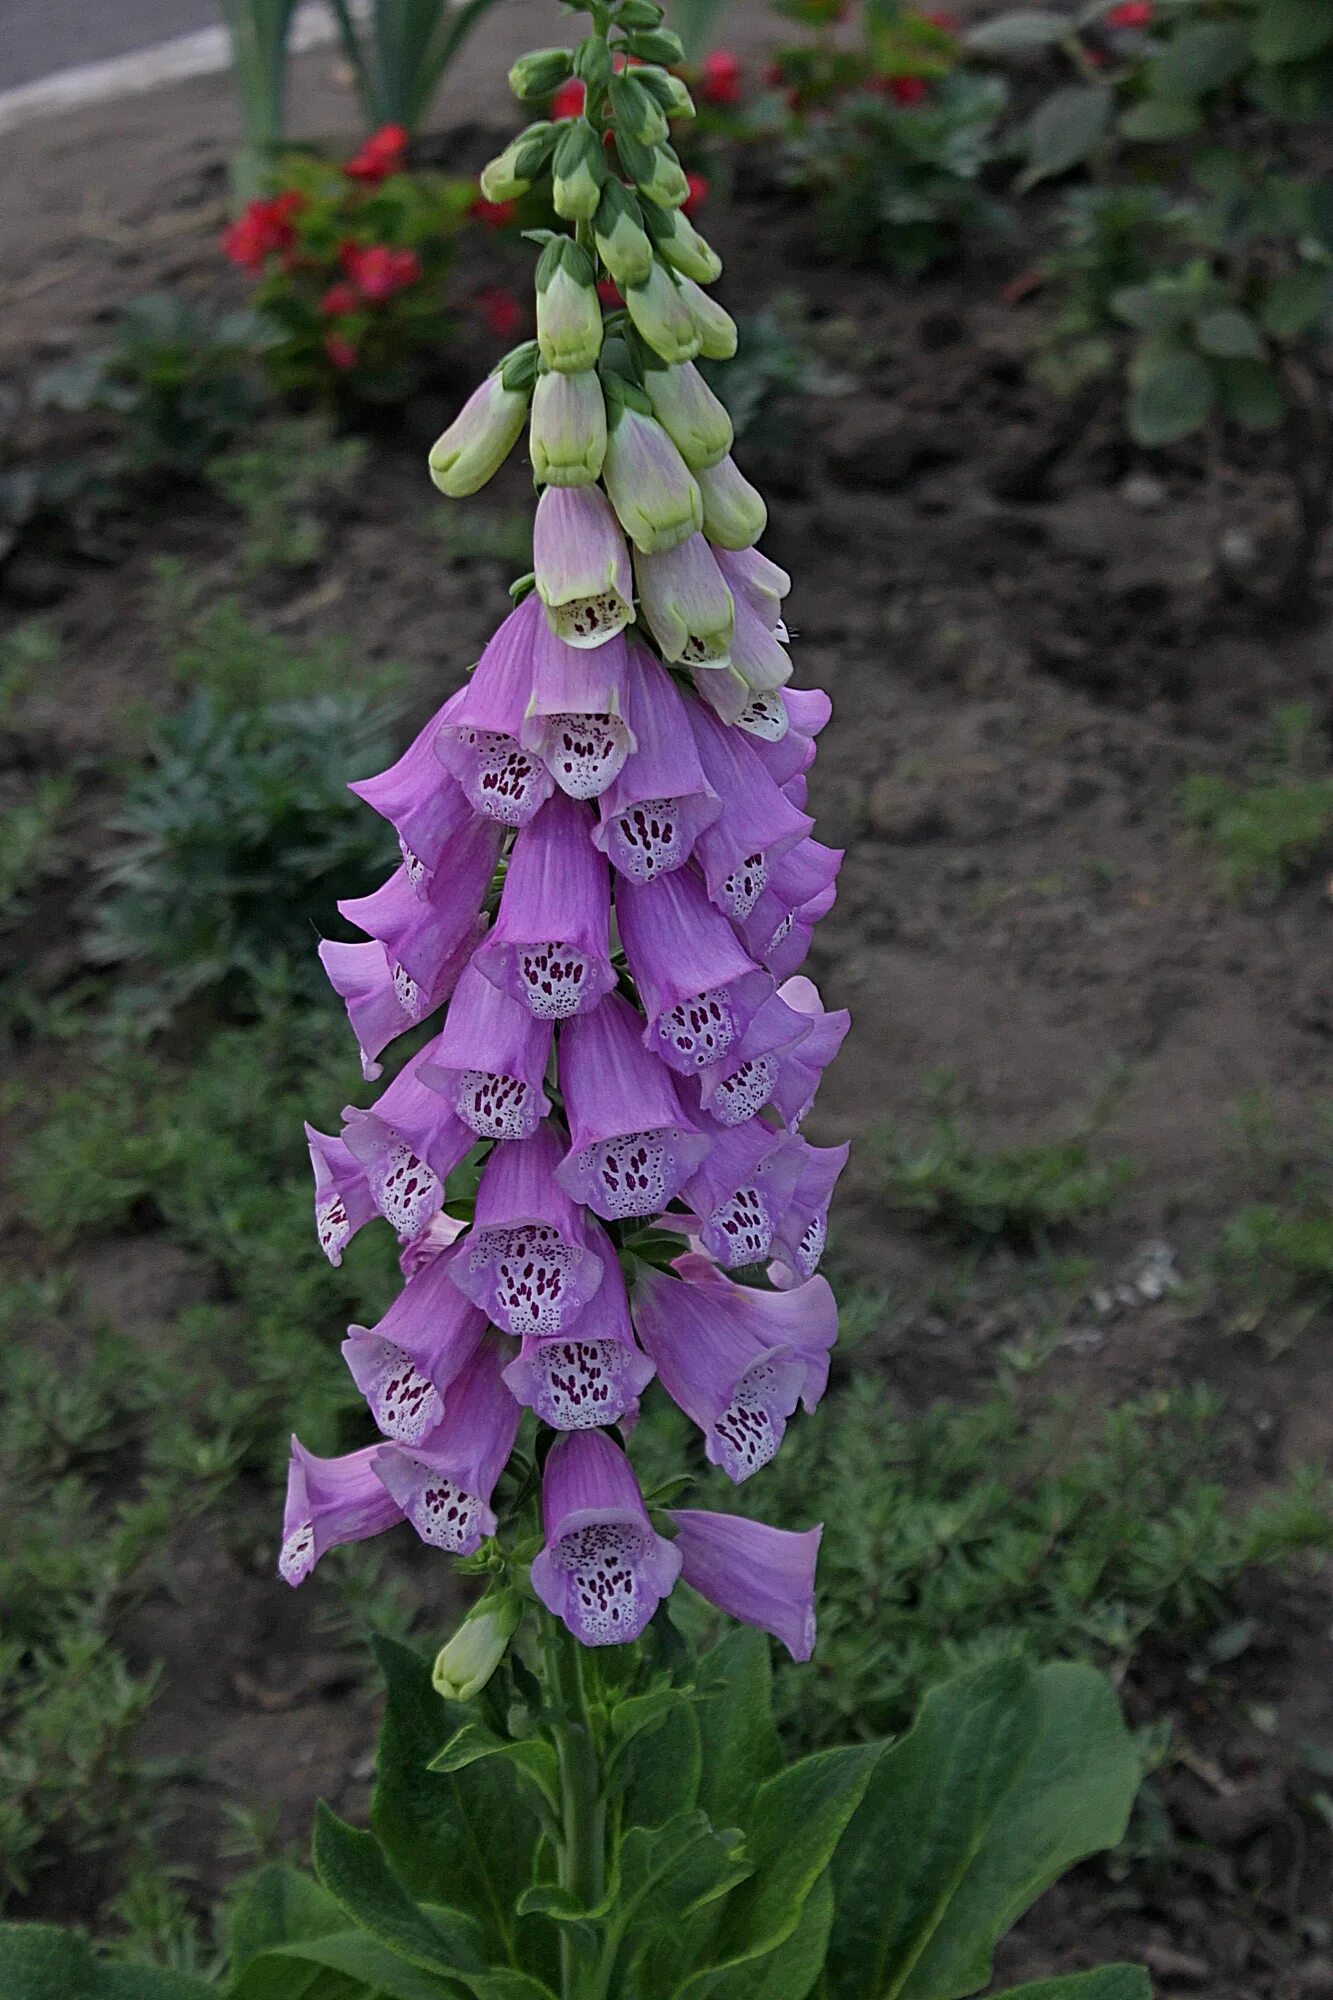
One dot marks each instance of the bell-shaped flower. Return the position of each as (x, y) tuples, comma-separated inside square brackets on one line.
[(478, 736), (741, 1191), (760, 582), (652, 814), (575, 721), (764, 718), (727, 693), (753, 1072), (443, 1485), (802, 1231), (422, 803), (714, 1362), (803, 1071), (757, 825), (568, 431), (789, 752), (763, 1576), (734, 512), (343, 1201), (686, 605), (489, 1061), (691, 415), (661, 316), (632, 1147), (330, 1501), (699, 989), (622, 241), (757, 654), (479, 439), (801, 892), (578, 172), (405, 1364), (440, 1234), (569, 312), (408, 1143), (528, 1261), (718, 338), (800, 1319), (604, 1570), (679, 244), (431, 937), (593, 1377), (581, 565), (653, 491), (550, 944)]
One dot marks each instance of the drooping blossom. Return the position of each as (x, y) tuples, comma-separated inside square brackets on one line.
[(604, 1569)]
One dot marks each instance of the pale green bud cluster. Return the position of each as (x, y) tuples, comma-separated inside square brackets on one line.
[(466, 1663)]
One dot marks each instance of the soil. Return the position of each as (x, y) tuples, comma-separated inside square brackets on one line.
[(1028, 649)]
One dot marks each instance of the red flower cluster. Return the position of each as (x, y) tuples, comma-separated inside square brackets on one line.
[(263, 229), (382, 154), (697, 196), (1131, 14), (904, 90), (493, 214), (720, 78), (378, 271), (501, 311), (569, 100)]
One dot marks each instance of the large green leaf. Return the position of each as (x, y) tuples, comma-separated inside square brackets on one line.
[(1109, 1982), (40, 1963), (1297, 300), (1200, 59), (1068, 126), (662, 1769), (1288, 30), (791, 1971), (1171, 398), (343, 1963), (1010, 1775), (738, 1735), (1252, 395), (352, 1867), (272, 1906)]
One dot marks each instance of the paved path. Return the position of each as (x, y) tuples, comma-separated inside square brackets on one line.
[(38, 37)]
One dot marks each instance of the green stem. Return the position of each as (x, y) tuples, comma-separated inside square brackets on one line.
[(582, 1856)]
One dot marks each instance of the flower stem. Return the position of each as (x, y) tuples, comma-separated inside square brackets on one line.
[(582, 1858)]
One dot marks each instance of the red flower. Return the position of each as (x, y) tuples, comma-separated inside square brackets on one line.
[(263, 229), (381, 155), (493, 214), (948, 24), (340, 352), (904, 90), (1131, 14), (339, 300), (697, 196), (720, 78), (501, 311), (568, 101), (378, 271), (608, 291)]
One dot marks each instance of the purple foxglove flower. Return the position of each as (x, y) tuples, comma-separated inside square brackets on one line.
[(440, 1234), (753, 1073), (686, 605), (792, 750), (742, 1190), (568, 435), (734, 512), (760, 582), (431, 938), (808, 1061), (736, 1386), (604, 1570), (383, 1000), (444, 1484), (724, 690), (404, 1365), (690, 414), (330, 1501), (478, 739), (528, 1261), (799, 1319), (797, 789), (479, 439), (550, 944), (653, 491), (581, 565), (594, 1377), (763, 1576), (756, 653), (489, 1060), (764, 717), (662, 317), (422, 804), (802, 891), (757, 825), (698, 987), (343, 1201), (802, 1232), (652, 814), (408, 1144), (575, 721), (718, 338), (632, 1147)]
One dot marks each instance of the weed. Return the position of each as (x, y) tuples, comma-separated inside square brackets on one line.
[(29, 846), (26, 653), (1265, 833), (1015, 1193), (284, 488), (1282, 1256)]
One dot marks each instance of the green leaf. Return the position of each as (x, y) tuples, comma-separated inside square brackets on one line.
[(1200, 59), (38, 1962), (1150, 308), (381, 1974), (1229, 334), (1009, 1776), (352, 1867), (1109, 1982), (1017, 33), (530, 1755), (738, 1734), (1160, 117), (1287, 30), (1065, 129), (661, 1771), (789, 1972), (668, 1875), (1252, 394), (1171, 399), (1297, 301), (276, 1905)]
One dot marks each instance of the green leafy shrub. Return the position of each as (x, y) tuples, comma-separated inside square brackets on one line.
[(283, 486), (1267, 832), (1017, 1193)]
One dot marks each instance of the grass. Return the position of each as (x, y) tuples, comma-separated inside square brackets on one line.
[(285, 489), (1281, 1255), (1267, 832)]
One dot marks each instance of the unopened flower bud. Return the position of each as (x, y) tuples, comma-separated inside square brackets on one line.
[(512, 172), (686, 603), (568, 435), (691, 415), (655, 171), (541, 72), (717, 329), (465, 1664), (569, 312), (479, 439), (579, 172), (582, 566), (679, 244), (639, 14), (653, 491), (657, 45), (662, 316), (637, 111), (669, 91), (622, 241), (734, 512)]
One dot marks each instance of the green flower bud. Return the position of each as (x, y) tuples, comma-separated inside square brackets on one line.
[(512, 172), (541, 72), (658, 45), (655, 171), (685, 602), (568, 434), (592, 63), (679, 244), (580, 172), (480, 438), (662, 316), (465, 1664), (690, 414), (669, 90), (653, 491), (637, 111), (639, 14), (569, 312), (734, 512), (622, 242), (717, 329)]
